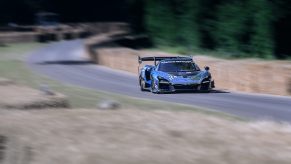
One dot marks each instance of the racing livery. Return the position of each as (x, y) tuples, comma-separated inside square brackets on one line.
[(172, 74)]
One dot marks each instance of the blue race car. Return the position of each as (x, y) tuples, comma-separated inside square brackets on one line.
[(172, 74)]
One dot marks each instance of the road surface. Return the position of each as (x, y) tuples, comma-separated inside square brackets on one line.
[(64, 61)]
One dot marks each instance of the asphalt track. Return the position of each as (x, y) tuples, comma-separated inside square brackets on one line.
[(64, 61)]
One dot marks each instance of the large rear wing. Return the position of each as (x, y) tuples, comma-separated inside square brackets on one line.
[(155, 59)]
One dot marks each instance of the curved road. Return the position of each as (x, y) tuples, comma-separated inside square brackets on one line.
[(64, 61)]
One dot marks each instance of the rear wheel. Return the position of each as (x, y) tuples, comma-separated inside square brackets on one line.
[(142, 84)]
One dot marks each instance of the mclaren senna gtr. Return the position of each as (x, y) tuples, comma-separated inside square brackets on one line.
[(173, 74)]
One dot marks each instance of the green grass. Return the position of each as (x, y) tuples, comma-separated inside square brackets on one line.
[(17, 51), (12, 66)]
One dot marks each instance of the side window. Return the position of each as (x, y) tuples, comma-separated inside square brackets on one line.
[(147, 72)]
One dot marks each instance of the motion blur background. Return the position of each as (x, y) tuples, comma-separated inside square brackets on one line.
[(237, 28), (55, 54)]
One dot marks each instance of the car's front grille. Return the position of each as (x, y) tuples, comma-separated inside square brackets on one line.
[(185, 87), (164, 86)]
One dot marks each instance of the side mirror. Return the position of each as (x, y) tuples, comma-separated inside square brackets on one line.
[(206, 68)]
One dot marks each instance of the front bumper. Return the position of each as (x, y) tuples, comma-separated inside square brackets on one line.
[(185, 86)]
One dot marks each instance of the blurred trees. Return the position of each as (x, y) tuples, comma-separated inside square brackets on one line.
[(237, 27), (259, 28), (172, 22)]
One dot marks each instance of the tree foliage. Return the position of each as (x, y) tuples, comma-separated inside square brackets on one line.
[(259, 28), (238, 27)]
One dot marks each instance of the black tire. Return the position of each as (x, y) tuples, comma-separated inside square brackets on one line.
[(205, 87), (141, 84), (153, 88)]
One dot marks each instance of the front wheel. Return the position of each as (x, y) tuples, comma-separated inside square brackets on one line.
[(205, 87), (154, 88)]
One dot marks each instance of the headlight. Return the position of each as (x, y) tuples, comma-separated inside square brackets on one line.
[(172, 77), (162, 80)]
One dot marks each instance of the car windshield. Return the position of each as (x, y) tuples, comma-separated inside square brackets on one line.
[(177, 66)]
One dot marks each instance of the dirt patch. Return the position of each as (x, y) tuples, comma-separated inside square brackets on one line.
[(135, 136), (5, 82), (289, 86), (118, 58), (3, 141), (250, 75), (21, 97)]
